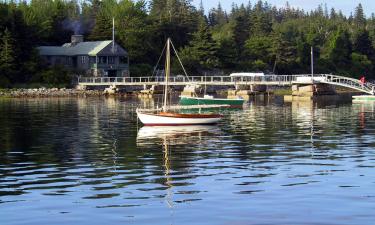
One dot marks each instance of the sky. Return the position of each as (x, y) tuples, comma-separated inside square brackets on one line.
[(346, 6)]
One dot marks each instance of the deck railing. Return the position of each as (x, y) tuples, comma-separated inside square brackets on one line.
[(228, 80), (187, 80)]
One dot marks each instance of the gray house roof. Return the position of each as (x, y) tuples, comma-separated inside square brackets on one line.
[(91, 48)]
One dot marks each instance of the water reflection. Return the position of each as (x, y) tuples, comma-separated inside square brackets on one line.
[(268, 164), (174, 135), (165, 137)]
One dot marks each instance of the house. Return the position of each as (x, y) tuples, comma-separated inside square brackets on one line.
[(94, 58)]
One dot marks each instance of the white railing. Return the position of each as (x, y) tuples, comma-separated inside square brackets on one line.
[(185, 80), (227, 80), (352, 83)]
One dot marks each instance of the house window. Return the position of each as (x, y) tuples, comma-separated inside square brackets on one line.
[(83, 59), (123, 59), (103, 59), (111, 60)]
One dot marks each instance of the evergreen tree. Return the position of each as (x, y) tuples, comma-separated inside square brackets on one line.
[(227, 54), (103, 21), (359, 16), (285, 54), (7, 56), (259, 48), (340, 49), (304, 52), (201, 9), (261, 23), (202, 50), (176, 19), (249, 37), (361, 66), (333, 14), (241, 30), (363, 44)]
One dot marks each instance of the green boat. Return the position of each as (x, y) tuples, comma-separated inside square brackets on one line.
[(363, 98), (210, 100)]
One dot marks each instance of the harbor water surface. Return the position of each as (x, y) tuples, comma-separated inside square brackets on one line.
[(88, 161)]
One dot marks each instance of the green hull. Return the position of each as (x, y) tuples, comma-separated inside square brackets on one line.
[(364, 98), (234, 103)]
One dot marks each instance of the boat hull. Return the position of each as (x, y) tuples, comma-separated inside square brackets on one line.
[(363, 98), (171, 119), (233, 103)]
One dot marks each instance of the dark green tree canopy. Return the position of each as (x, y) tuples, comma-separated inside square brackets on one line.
[(248, 37)]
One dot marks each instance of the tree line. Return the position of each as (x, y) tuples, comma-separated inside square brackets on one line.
[(250, 37)]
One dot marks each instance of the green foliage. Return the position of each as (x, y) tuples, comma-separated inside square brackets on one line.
[(363, 44), (259, 47), (361, 65), (227, 55), (241, 30), (7, 57), (217, 17), (340, 49), (261, 22), (176, 19), (256, 37), (201, 54), (4, 81), (359, 16), (56, 75), (139, 70)]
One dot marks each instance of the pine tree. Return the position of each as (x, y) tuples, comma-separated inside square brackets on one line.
[(363, 44), (340, 50), (361, 66), (7, 55), (261, 23), (333, 14), (359, 16), (218, 17), (201, 8), (241, 30), (202, 50), (259, 47), (227, 54), (103, 27), (285, 54)]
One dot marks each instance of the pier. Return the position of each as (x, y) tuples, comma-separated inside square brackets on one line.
[(294, 81)]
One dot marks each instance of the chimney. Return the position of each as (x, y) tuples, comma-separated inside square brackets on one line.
[(75, 39)]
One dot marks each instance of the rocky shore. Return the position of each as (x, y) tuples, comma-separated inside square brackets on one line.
[(48, 92)]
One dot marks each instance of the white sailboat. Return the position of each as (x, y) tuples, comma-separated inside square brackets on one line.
[(167, 117)]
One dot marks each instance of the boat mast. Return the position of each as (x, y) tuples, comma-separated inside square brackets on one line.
[(312, 64), (205, 83), (167, 74)]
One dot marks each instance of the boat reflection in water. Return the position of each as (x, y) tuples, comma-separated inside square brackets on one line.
[(174, 135), (168, 136), (366, 111)]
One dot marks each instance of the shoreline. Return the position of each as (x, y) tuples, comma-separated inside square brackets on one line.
[(71, 92), (50, 92)]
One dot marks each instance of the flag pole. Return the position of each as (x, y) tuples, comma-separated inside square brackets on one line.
[(113, 34)]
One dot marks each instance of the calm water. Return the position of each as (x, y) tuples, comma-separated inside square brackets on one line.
[(88, 161)]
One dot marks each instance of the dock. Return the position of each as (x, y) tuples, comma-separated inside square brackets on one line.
[(300, 84)]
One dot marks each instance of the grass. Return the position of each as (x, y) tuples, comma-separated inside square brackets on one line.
[(282, 92)]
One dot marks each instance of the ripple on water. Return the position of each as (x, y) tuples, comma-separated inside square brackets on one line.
[(88, 160)]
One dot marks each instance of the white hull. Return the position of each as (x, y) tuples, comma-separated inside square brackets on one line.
[(148, 132), (160, 120)]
